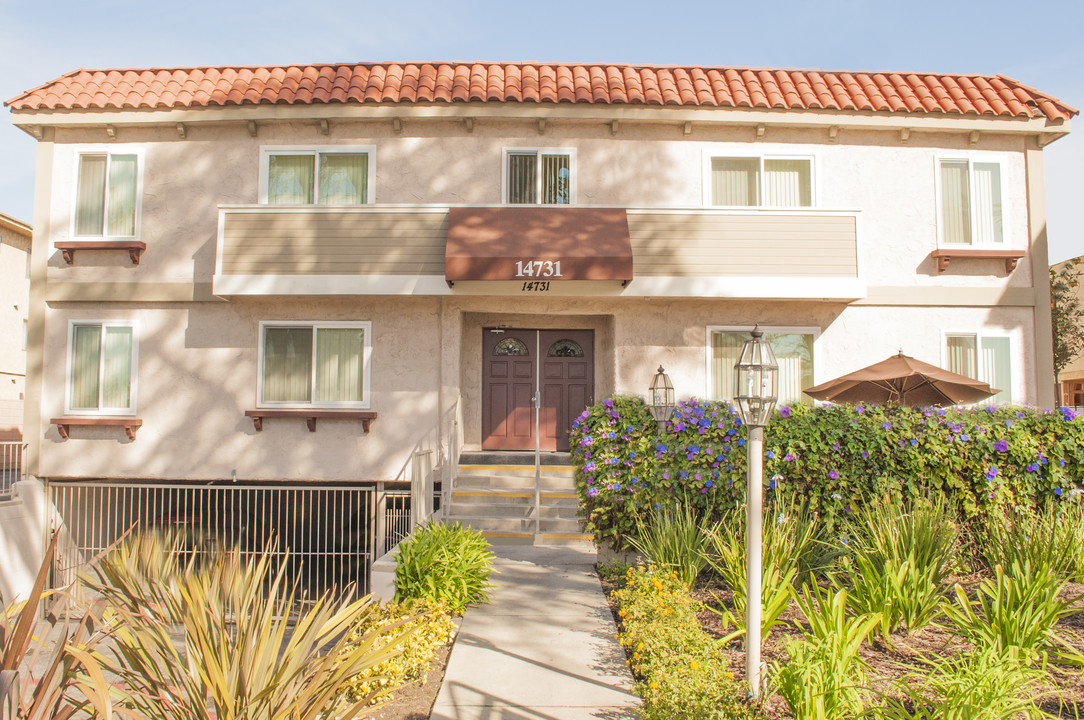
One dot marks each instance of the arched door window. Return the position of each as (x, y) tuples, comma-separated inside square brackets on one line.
[(565, 348), (511, 346)]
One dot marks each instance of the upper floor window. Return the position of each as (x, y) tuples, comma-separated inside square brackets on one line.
[(322, 176), (106, 194), (762, 182), (315, 364), (100, 367), (793, 348), (539, 177), (971, 202)]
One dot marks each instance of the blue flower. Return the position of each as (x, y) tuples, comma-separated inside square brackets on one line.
[(741, 442), (914, 442), (1057, 491), (592, 492), (771, 455), (991, 473), (965, 437)]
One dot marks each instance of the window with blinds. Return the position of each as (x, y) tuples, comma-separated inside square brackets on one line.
[(985, 358), (972, 212), (761, 182), (315, 364), (316, 177), (102, 356), (793, 352), (106, 195), (537, 177)]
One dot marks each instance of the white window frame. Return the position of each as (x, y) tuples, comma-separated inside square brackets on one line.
[(711, 154), (539, 152), (132, 379), (108, 151), (971, 158), (367, 351), (315, 150), (1015, 392), (767, 330)]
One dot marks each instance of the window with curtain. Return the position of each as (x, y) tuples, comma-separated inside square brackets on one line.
[(315, 364), (105, 195), (793, 352), (322, 178), (985, 358), (971, 206), (100, 377), (761, 181), (537, 177)]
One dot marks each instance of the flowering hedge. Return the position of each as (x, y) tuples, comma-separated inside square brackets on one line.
[(837, 457)]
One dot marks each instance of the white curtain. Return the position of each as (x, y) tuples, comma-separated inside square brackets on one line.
[(340, 364), (734, 181), (787, 183), (955, 202), (987, 196), (996, 368), (287, 364), (962, 355), (290, 179), (122, 196), (343, 179), (117, 375), (85, 371)]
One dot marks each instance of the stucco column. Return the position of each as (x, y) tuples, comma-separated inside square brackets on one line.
[(1040, 273), (35, 330)]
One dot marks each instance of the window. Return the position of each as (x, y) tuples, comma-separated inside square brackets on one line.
[(972, 212), (315, 364), (761, 181), (101, 361), (321, 176), (539, 177), (793, 348), (986, 358), (107, 188)]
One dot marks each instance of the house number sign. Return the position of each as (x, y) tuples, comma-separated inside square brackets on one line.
[(537, 269)]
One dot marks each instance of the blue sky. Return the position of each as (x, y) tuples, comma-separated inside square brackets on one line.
[(1038, 43)]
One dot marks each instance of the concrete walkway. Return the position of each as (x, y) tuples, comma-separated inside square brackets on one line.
[(543, 648)]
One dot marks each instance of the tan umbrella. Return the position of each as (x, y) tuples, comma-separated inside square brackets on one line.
[(902, 379)]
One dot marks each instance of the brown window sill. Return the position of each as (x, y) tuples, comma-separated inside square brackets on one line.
[(134, 247), (366, 416), (130, 424), (945, 255)]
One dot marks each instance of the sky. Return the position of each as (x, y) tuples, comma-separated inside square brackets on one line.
[(1037, 43)]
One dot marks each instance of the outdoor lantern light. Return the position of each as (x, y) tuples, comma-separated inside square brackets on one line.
[(662, 398), (757, 374)]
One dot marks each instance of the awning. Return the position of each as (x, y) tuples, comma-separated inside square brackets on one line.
[(550, 244)]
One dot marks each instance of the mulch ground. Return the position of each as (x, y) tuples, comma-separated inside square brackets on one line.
[(1063, 696), (415, 700)]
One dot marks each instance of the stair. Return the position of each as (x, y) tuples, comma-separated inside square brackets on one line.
[(498, 499)]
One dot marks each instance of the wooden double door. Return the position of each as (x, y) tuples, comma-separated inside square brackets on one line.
[(559, 365)]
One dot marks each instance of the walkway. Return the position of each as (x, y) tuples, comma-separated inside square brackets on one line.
[(543, 648)]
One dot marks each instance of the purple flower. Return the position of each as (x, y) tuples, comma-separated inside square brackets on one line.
[(835, 446), (886, 425), (789, 458), (859, 409), (991, 473), (592, 492), (608, 402), (965, 437), (865, 455), (834, 475), (784, 411), (1001, 446)]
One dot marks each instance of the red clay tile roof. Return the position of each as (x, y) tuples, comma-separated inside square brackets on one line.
[(911, 93)]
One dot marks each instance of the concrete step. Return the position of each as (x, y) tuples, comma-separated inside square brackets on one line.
[(563, 482), (520, 525), (460, 510)]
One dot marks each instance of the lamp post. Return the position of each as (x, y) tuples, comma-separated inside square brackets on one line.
[(757, 376), (662, 398)]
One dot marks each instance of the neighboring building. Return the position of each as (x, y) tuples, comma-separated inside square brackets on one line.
[(15, 237), (1071, 377), (343, 273)]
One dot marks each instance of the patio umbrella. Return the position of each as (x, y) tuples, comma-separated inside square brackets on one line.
[(902, 379)]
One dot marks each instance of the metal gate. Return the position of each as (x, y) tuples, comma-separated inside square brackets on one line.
[(324, 533)]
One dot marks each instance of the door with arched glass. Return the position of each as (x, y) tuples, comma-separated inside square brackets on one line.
[(559, 364)]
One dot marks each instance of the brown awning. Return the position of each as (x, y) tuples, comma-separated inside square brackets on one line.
[(532, 243)]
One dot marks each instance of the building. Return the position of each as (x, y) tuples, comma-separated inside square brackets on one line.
[(15, 238), (349, 273), (1071, 377)]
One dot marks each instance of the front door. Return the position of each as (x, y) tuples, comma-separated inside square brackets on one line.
[(516, 363)]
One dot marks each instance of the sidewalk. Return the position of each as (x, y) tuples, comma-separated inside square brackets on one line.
[(543, 648)]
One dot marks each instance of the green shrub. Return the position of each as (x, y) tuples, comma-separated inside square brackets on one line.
[(443, 563), (984, 685), (1015, 614), (1050, 537), (674, 539), (837, 457), (898, 565), (681, 671), (823, 677)]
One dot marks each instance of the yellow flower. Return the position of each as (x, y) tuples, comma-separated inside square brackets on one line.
[(694, 665), (653, 685)]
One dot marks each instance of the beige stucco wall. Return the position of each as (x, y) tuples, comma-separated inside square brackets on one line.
[(14, 297)]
